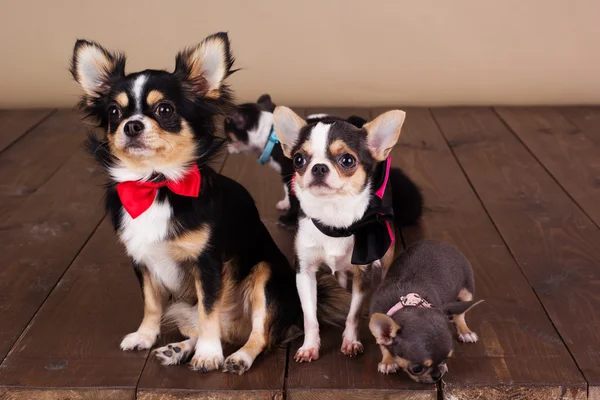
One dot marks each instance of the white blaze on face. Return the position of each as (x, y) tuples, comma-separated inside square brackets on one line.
[(319, 141), (138, 91)]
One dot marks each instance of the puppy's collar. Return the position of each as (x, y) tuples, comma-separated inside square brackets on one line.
[(271, 142), (410, 300), (373, 234), (138, 196)]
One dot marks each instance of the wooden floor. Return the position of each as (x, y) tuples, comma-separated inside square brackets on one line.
[(516, 189)]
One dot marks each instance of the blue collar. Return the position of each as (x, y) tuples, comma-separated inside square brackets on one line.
[(271, 142)]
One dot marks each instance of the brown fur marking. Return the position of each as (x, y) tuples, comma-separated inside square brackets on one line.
[(122, 100), (153, 97), (190, 245), (154, 297)]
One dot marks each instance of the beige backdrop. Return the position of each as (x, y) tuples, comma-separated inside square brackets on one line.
[(354, 52)]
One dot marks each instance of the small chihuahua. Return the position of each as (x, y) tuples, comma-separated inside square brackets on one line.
[(350, 200), (429, 283), (249, 129)]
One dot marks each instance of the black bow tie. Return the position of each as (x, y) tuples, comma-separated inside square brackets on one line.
[(372, 233)]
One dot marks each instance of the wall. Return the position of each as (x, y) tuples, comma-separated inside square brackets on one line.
[(376, 52)]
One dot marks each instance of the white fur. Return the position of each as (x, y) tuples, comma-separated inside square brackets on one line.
[(138, 91), (92, 65), (144, 240), (257, 138), (318, 139), (138, 340), (306, 282), (211, 58), (284, 204), (314, 116)]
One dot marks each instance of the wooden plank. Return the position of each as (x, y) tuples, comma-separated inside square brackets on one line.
[(72, 345), (553, 242), (519, 352), (16, 123), (563, 149), (30, 162), (585, 118), (40, 239), (336, 376), (265, 380)]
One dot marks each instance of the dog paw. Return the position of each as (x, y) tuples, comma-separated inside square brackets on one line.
[(237, 363), (283, 205), (352, 348), (137, 341), (469, 337), (386, 368), (171, 354), (208, 357), (307, 354)]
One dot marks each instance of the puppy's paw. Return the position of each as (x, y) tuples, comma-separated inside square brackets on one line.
[(208, 357), (469, 337), (138, 341), (307, 354), (387, 368), (283, 205), (237, 363), (352, 348), (173, 353)]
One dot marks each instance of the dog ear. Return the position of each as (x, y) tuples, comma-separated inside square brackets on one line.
[(265, 103), (383, 328), (383, 133), (459, 307), (238, 118), (94, 68), (205, 66), (287, 127)]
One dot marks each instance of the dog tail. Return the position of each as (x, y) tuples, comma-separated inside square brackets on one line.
[(184, 316), (407, 199), (333, 301)]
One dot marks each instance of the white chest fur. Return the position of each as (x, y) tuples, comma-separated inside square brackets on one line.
[(315, 248), (144, 239)]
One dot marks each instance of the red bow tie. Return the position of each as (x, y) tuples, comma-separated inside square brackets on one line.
[(138, 196)]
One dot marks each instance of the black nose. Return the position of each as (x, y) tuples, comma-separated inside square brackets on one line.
[(320, 169), (436, 376), (133, 128)]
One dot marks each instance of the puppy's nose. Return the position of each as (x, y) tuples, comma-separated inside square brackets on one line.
[(320, 169), (133, 128)]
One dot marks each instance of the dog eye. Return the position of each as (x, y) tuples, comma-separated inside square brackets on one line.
[(114, 113), (416, 369), (299, 160), (347, 161), (165, 110)]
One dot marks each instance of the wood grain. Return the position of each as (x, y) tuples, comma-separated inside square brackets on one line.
[(563, 149), (518, 345), (29, 163), (16, 123), (73, 341), (40, 239), (587, 119)]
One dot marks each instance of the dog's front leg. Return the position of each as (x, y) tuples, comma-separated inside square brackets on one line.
[(351, 345), (208, 354), (306, 282), (149, 329)]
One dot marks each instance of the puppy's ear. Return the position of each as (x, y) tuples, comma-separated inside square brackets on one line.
[(95, 68), (205, 66), (238, 118), (383, 133), (383, 328), (287, 127), (459, 307), (265, 103)]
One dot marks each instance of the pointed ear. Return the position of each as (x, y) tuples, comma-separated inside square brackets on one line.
[(459, 307), (383, 328), (238, 118), (206, 65), (383, 133), (287, 127), (93, 67), (265, 103)]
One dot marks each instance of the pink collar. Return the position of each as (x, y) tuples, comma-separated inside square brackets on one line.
[(410, 300)]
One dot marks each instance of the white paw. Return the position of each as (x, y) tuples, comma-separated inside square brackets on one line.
[(283, 205), (208, 357), (238, 363), (470, 337), (307, 354), (172, 354), (232, 149), (385, 368), (352, 348), (138, 341)]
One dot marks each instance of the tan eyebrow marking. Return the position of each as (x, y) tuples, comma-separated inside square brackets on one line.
[(154, 97), (122, 99)]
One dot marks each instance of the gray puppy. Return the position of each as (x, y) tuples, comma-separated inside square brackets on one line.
[(427, 284)]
